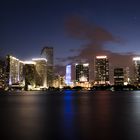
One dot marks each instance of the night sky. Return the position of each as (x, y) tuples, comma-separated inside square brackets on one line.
[(75, 28)]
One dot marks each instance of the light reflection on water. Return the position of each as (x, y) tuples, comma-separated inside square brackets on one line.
[(70, 115)]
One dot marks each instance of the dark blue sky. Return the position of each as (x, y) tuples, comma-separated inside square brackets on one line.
[(26, 26)]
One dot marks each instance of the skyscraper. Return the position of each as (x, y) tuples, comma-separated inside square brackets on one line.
[(82, 72), (30, 75), (136, 61), (101, 70), (68, 75), (47, 52), (41, 72), (14, 70)]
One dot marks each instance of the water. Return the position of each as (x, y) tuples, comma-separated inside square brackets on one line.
[(70, 115)]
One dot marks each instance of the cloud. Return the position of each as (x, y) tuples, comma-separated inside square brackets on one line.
[(95, 37), (78, 28)]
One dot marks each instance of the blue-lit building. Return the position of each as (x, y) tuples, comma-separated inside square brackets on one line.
[(68, 75)]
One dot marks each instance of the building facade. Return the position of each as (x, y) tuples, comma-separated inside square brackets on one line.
[(14, 70), (41, 72), (118, 76), (101, 70), (136, 61), (47, 52), (30, 75), (82, 72)]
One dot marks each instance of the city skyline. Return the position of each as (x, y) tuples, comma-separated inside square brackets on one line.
[(75, 29)]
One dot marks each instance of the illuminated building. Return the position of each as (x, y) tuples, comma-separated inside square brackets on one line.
[(127, 76), (2, 74), (118, 76), (59, 81), (47, 52), (82, 72), (41, 72), (14, 70), (68, 75), (136, 61), (30, 75), (101, 70)]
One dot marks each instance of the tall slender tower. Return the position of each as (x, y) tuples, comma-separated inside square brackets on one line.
[(101, 70), (47, 52)]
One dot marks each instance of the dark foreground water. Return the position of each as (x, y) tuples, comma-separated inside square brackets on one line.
[(69, 115)]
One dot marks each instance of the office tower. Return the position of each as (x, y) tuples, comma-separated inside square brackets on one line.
[(136, 61), (41, 72), (68, 75), (82, 72), (118, 76), (14, 70), (30, 75), (101, 70), (47, 52)]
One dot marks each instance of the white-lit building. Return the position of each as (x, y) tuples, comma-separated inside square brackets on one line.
[(14, 70)]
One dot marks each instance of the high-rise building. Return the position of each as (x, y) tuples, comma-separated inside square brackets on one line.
[(118, 76), (14, 70), (82, 72), (47, 52), (136, 61), (68, 75), (30, 75), (101, 70), (41, 72)]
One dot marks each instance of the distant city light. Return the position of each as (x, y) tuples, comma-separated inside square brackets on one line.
[(29, 62), (13, 58), (86, 64), (83, 79), (101, 57), (136, 58), (38, 59)]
